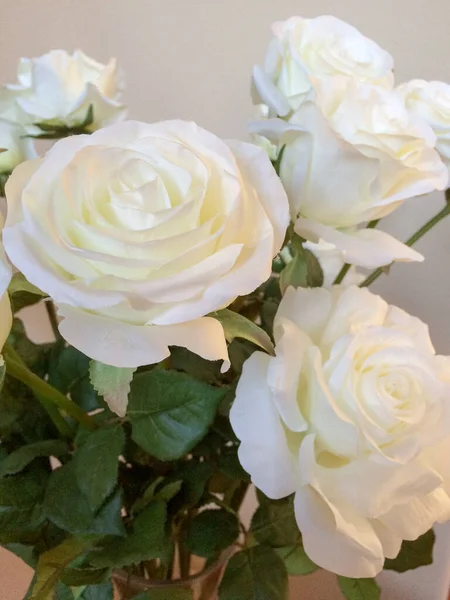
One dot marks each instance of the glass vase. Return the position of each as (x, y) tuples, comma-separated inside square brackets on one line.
[(203, 584)]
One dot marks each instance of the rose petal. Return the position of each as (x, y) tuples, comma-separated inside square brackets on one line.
[(125, 345), (369, 248), (264, 452)]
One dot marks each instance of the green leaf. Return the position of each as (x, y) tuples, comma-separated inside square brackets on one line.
[(19, 459), (21, 415), (303, 270), (147, 496), (277, 162), (268, 312), (182, 359), (230, 466), (272, 288), (19, 283), (210, 532), (169, 491), (296, 561), (274, 523), (168, 594), (359, 589), (2, 372), (257, 573), (89, 118), (113, 384), (23, 293), (63, 592), (54, 129), (69, 372), (22, 491), (147, 541), (30, 588), (52, 564), (237, 326), (156, 491), (239, 351), (77, 592), (170, 412), (67, 507), (20, 504), (26, 553), (98, 592), (76, 577), (195, 476), (97, 464), (413, 554)]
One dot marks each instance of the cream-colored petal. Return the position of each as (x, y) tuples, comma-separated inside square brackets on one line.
[(264, 451), (369, 248), (257, 171), (124, 345)]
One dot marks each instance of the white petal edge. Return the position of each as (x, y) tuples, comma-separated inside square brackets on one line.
[(256, 168), (369, 248), (276, 130), (125, 345), (5, 267), (265, 91), (263, 452), (338, 540)]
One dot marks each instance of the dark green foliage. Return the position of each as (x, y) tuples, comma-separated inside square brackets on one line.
[(210, 532), (413, 554)]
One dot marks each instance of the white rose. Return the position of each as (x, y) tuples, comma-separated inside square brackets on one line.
[(304, 50), (431, 101), (14, 146), (352, 416), (353, 154), (138, 231), (58, 88)]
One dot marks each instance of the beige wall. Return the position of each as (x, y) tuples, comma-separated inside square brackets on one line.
[(192, 59)]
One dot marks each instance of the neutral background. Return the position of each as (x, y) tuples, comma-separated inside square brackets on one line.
[(192, 59)]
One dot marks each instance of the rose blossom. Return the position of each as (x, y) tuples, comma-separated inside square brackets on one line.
[(58, 88), (137, 232), (304, 50), (353, 153), (430, 100), (350, 416)]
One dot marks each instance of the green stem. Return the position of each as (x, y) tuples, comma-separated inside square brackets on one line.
[(58, 420), (185, 560), (51, 312), (342, 273), (277, 161), (17, 369), (411, 241), (238, 496), (372, 224), (223, 504), (345, 269)]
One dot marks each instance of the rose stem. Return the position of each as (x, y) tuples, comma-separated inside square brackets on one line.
[(345, 269), (17, 369), (414, 238), (51, 312)]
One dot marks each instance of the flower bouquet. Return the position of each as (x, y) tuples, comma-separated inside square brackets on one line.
[(213, 329)]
